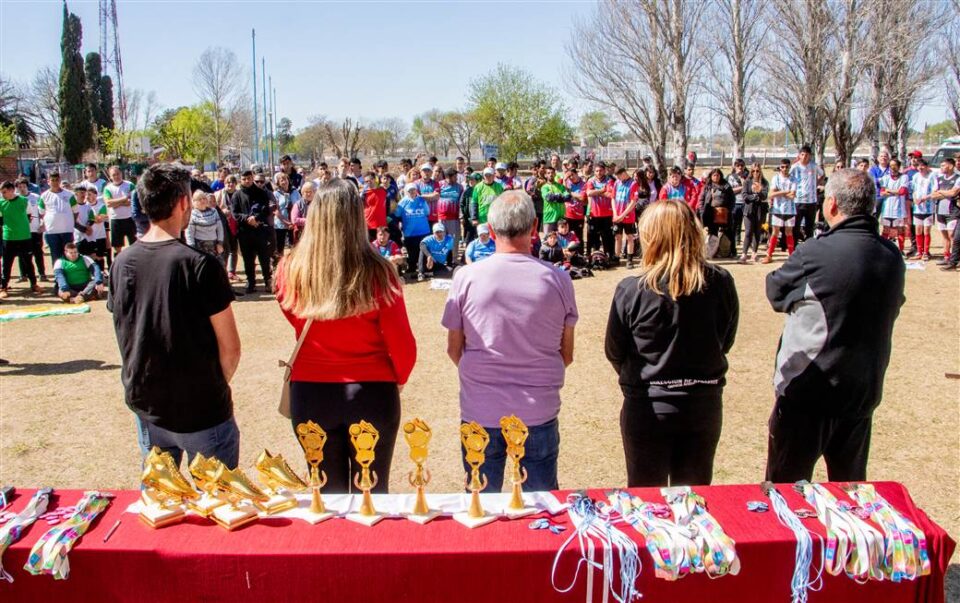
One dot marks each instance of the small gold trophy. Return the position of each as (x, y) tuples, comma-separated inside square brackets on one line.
[(242, 496), (474, 439), (166, 490), (364, 438), (280, 481), (312, 439), (206, 472), (515, 435), (418, 434)]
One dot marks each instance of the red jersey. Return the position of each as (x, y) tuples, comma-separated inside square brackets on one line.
[(601, 206), (576, 208), (625, 193), (375, 207)]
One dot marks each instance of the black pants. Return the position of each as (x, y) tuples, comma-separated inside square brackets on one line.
[(752, 227), (336, 406), (412, 245), (36, 245), (737, 225), (255, 245), (671, 441), (23, 250), (955, 245), (798, 438), (806, 220), (601, 233), (439, 268)]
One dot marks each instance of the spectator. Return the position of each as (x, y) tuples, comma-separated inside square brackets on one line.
[(448, 208), (512, 357), (550, 250), (754, 215), (224, 201), (294, 177), (736, 180), (429, 190), (205, 231), (374, 195), (16, 236), (286, 197), (783, 211), (668, 334), (412, 215), (841, 293), (36, 228), (178, 339), (555, 198), (91, 213), (389, 250), (58, 208), (298, 215), (221, 182), (251, 208), (483, 195), (481, 247), (359, 350), (469, 220), (116, 195), (436, 253), (78, 277), (716, 206)]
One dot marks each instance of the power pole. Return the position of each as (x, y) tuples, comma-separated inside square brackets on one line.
[(255, 151), (266, 128)]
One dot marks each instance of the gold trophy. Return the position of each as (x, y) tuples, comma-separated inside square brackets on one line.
[(418, 434), (364, 437), (515, 435), (312, 439), (474, 439), (240, 492), (166, 489), (206, 472), (280, 481)]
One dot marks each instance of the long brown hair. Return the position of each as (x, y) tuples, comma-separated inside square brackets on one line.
[(673, 250), (333, 272)]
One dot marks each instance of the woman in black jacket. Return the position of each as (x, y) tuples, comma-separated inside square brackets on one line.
[(716, 208), (754, 210), (668, 334)]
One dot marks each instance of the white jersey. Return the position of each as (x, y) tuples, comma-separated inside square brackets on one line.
[(87, 214), (57, 210), (894, 207), (115, 191), (923, 186), (33, 211)]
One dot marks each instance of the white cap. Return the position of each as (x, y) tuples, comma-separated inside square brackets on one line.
[(426, 166), (489, 171), (501, 166), (483, 229), (438, 227), (411, 186)]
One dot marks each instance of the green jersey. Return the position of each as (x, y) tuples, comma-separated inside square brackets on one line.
[(484, 194), (77, 273), (16, 222), (552, 211)]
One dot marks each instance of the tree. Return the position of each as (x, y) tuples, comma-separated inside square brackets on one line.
[(99, 93), (284, 134), (185, 133), (311, 141), (517, 112), (461, 128), (43, 109), (426, 129), (216, 80), (76, 123), (596, 128), (13, 112), (106, 102), (344, 137), (8, 139)]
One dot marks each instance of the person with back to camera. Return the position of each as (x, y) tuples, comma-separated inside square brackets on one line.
[(668, 335)]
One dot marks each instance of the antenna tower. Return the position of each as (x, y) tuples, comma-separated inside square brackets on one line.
[(110, 54)]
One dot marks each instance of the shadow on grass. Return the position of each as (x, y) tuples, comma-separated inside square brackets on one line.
[(69, 367), (952, 583)]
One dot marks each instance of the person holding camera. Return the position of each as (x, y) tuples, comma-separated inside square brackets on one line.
[(253, 212)]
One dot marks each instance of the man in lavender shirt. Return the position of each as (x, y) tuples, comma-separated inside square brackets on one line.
[(510, 322)]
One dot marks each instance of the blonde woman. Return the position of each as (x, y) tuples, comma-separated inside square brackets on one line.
[(359, 350), (668, 334)]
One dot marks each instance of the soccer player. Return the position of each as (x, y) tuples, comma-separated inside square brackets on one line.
[(600, 211), (806, 175), (16, 236), (624, 212), (783, 211), (116, 195), (894, 188), (922, 187), (554, 200), (948, 187)]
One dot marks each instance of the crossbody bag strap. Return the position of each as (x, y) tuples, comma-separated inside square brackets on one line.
[(296, 348)]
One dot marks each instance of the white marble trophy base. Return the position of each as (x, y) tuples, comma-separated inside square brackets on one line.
[(232, 518), (422, 519), (367, 520), (156, 516), (315, 518), (474, 522), (278, 503), (205, 504), (518, 513)]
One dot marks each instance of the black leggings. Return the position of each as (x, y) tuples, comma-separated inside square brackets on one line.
[(336, 406), (751, 230), (671, 441), (412, 245), (600, 233)]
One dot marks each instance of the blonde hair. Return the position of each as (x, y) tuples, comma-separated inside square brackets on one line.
[(334, 272), (673, 250)]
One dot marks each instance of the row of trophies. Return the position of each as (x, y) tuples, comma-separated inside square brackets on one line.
[(231, 499)]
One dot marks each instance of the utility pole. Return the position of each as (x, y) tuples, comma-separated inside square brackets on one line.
[(255, 151), (273, 121), (266, 129), (276, 113)]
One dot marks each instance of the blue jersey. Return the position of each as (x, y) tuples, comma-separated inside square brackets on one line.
[(439, 250), (448, 206), (895, 207), (414, 214), (923, 186), (781, 205), (805, 179), (477, 250)]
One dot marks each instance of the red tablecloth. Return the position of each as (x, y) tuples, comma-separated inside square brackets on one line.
[(338, 560)]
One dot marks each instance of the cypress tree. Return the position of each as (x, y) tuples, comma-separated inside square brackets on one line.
[(75, 121), (93, 72), (106, 102)]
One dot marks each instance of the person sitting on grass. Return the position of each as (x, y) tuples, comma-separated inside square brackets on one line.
[(389, 250), (551, 251), (78, 277), (205, 230), (565, 236), (435, 253), (481, 247)]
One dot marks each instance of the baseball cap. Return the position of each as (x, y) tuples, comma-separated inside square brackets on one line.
[(427, 167), (476, 176), (483, 229), (501, 166), (438, 227), (916, 153), (489, 171), (411, 186)]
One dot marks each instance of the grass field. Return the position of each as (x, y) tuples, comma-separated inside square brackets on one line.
[(63, 421)]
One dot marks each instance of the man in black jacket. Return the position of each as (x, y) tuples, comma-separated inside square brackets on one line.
[(841, 293), (252, 210)]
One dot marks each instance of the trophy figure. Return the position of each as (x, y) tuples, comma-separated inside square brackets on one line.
[(280, 481), (242, 496), (364, 437), (312, 439), (205, 475), (474, 439), (166, 489), (418, 434), (515, 435)]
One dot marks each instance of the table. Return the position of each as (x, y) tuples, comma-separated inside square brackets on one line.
[(338, 560)]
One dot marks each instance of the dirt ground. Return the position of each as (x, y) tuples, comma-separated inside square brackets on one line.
[(63, 421)]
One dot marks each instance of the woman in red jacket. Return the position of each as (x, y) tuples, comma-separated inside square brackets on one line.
[(360, 350)]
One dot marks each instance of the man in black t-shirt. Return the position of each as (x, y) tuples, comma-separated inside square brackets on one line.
[(175, 329), (254, 214)]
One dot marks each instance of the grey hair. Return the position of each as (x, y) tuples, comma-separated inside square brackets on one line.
[(512, 215), (854, 191)]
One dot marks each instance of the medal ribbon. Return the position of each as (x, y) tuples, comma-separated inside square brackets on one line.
[(49, 554), (717, 550), (803, 557), (905, 544), (12, 531), (860, 551)]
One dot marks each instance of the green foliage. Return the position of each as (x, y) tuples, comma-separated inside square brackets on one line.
[(186, 133), (8, 139), (75, 119), (518, 113), (596, 128), (93, 72), (934, 133), (285, 135), (106, 102)]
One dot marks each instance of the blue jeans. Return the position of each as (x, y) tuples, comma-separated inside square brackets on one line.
[(221, 441), (56, 242), (540, 458)]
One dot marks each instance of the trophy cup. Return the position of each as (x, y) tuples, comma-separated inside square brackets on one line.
[(166, 490), (240, 492), (205, 473), (312, 438), (474, 439), (364, 437), (515, 435), (280, 481), (418, 434)]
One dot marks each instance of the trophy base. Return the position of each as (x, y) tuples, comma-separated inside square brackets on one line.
[(315, 518), (231, 518), (474, 522), (518, 513), (277, 504), (367, 520), (423, 519), (205, 505), (157, 517)]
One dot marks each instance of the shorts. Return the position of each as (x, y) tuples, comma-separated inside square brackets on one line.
[(892, 222), (95, 249), (945, 223), (121, 228), (782, 220), (923, 220), (627, 228)]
